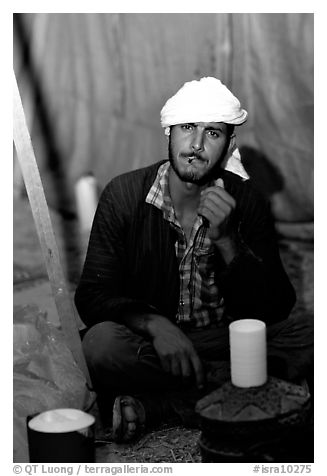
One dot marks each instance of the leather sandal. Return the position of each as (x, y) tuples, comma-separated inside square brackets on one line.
[(120, 425)]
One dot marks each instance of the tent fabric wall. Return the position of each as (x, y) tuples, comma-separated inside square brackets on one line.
[(103, 78), (275, 75)]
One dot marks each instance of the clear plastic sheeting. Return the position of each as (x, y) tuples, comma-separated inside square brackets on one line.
[(45, 375), (101, 80)]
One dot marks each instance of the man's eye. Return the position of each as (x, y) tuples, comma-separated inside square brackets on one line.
[(187, 127), (214, 134)]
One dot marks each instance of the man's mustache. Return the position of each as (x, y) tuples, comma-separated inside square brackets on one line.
[(191, 156)]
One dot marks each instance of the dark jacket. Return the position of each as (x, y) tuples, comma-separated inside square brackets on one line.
[(131, 263)]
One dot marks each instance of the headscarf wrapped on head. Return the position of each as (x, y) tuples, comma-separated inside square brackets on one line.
[(207, 100)]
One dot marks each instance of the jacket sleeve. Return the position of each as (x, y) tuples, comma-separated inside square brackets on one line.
[(255, 284), (101, 294)]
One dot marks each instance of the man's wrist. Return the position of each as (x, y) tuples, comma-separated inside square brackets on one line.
[(227, 247), (153, 322), (140, 323)]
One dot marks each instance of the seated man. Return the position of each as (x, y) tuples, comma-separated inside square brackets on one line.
[(177, 251)]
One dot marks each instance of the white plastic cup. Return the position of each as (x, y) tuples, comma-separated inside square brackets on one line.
[(62, 435), (248, 352), (86, 195)]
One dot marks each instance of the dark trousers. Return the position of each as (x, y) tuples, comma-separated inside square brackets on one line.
[(122, 362)]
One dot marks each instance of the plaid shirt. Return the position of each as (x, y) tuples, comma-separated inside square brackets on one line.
[(200, 302)]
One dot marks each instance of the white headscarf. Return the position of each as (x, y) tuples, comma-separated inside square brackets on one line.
[(207, 100)]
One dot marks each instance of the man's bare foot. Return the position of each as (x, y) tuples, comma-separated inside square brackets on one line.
[(128, 419)]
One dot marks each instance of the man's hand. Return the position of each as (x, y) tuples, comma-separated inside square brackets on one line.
[(216, 205), (175, 351)]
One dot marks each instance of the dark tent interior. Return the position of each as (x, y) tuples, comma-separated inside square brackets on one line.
[(92, 87)]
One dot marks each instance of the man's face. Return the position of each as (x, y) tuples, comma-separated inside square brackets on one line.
[(197, 149)]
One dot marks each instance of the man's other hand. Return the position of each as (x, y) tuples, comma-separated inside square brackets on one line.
[(217, 205), (175, 351)]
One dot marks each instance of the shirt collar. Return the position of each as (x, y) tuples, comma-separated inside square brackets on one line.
[(159, 195)]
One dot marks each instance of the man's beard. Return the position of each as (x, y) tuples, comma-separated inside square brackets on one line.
[(191, 176)]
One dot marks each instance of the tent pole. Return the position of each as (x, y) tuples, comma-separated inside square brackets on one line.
[(35, 192)]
